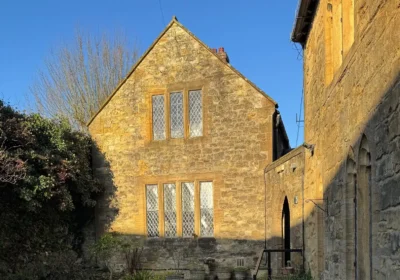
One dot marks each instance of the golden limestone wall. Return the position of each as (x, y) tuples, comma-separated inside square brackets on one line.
[(235, 148), (347, 95), (284, 179)]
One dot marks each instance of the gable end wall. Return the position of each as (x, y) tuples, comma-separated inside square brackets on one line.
[(235, 148)]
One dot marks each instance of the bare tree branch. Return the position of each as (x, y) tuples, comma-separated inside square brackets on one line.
[(78, 78)]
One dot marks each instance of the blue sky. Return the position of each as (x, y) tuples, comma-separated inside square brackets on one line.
[(254, 33)]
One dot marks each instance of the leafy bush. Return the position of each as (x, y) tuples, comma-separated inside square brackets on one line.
[(105, 248), (162, 275), (112, 244), (300, 276), (140, 275), (47, 191), (241, 269), (148, 275)]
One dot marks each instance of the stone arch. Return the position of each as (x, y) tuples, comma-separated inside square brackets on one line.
[(364, 212), (286, 230), (350, 214)]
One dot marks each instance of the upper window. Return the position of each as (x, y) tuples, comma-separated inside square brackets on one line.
[(195, 114), (176, 114), (158, 117), (347, 25), (339, 35), (183, 114)]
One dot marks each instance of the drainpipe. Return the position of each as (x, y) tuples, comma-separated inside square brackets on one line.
[(265, 208), (275, 122), (309, 147), (302, 210)]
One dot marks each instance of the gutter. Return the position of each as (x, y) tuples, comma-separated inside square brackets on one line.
[(304, 18)]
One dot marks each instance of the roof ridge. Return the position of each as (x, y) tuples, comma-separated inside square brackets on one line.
[(228, 64), (173, 20)]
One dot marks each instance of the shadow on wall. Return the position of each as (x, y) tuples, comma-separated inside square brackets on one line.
[(184, 253), (360, 229), (189, 253), (362, 233), (353, 229), (107, 208)]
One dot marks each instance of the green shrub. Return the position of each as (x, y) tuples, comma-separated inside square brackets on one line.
[(140, 275), (241, 269), (47, 192), (300, 276), (147, 275), (162, 275), (108, 245), (56, 266)]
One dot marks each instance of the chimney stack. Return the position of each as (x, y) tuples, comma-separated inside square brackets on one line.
[(223, 55)]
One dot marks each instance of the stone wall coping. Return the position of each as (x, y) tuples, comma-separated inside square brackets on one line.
[(285, 158)]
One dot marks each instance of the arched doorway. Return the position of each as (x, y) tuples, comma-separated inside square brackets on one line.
[(364, 213), (350, 215), (286, 230)]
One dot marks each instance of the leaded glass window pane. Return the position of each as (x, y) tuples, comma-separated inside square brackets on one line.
[(170, 210), (176, 103), (195, 114), (206, 209), (152, 210), (158, 117), (187, 209)]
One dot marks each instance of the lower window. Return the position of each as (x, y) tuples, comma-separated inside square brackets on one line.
[(152, 210), (170, 210), (168, 219), (206, 209), (188, 209)]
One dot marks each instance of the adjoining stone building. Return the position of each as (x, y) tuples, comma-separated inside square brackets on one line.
[(181, 147), (352, 119)]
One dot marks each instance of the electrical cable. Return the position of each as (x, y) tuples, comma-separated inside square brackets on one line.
[(162, 12), (299, 121)]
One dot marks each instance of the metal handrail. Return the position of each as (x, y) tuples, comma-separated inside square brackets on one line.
[(269, 251)]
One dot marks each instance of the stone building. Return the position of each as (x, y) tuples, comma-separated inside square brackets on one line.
[(181, 148), (196, 156), (352, 120)]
